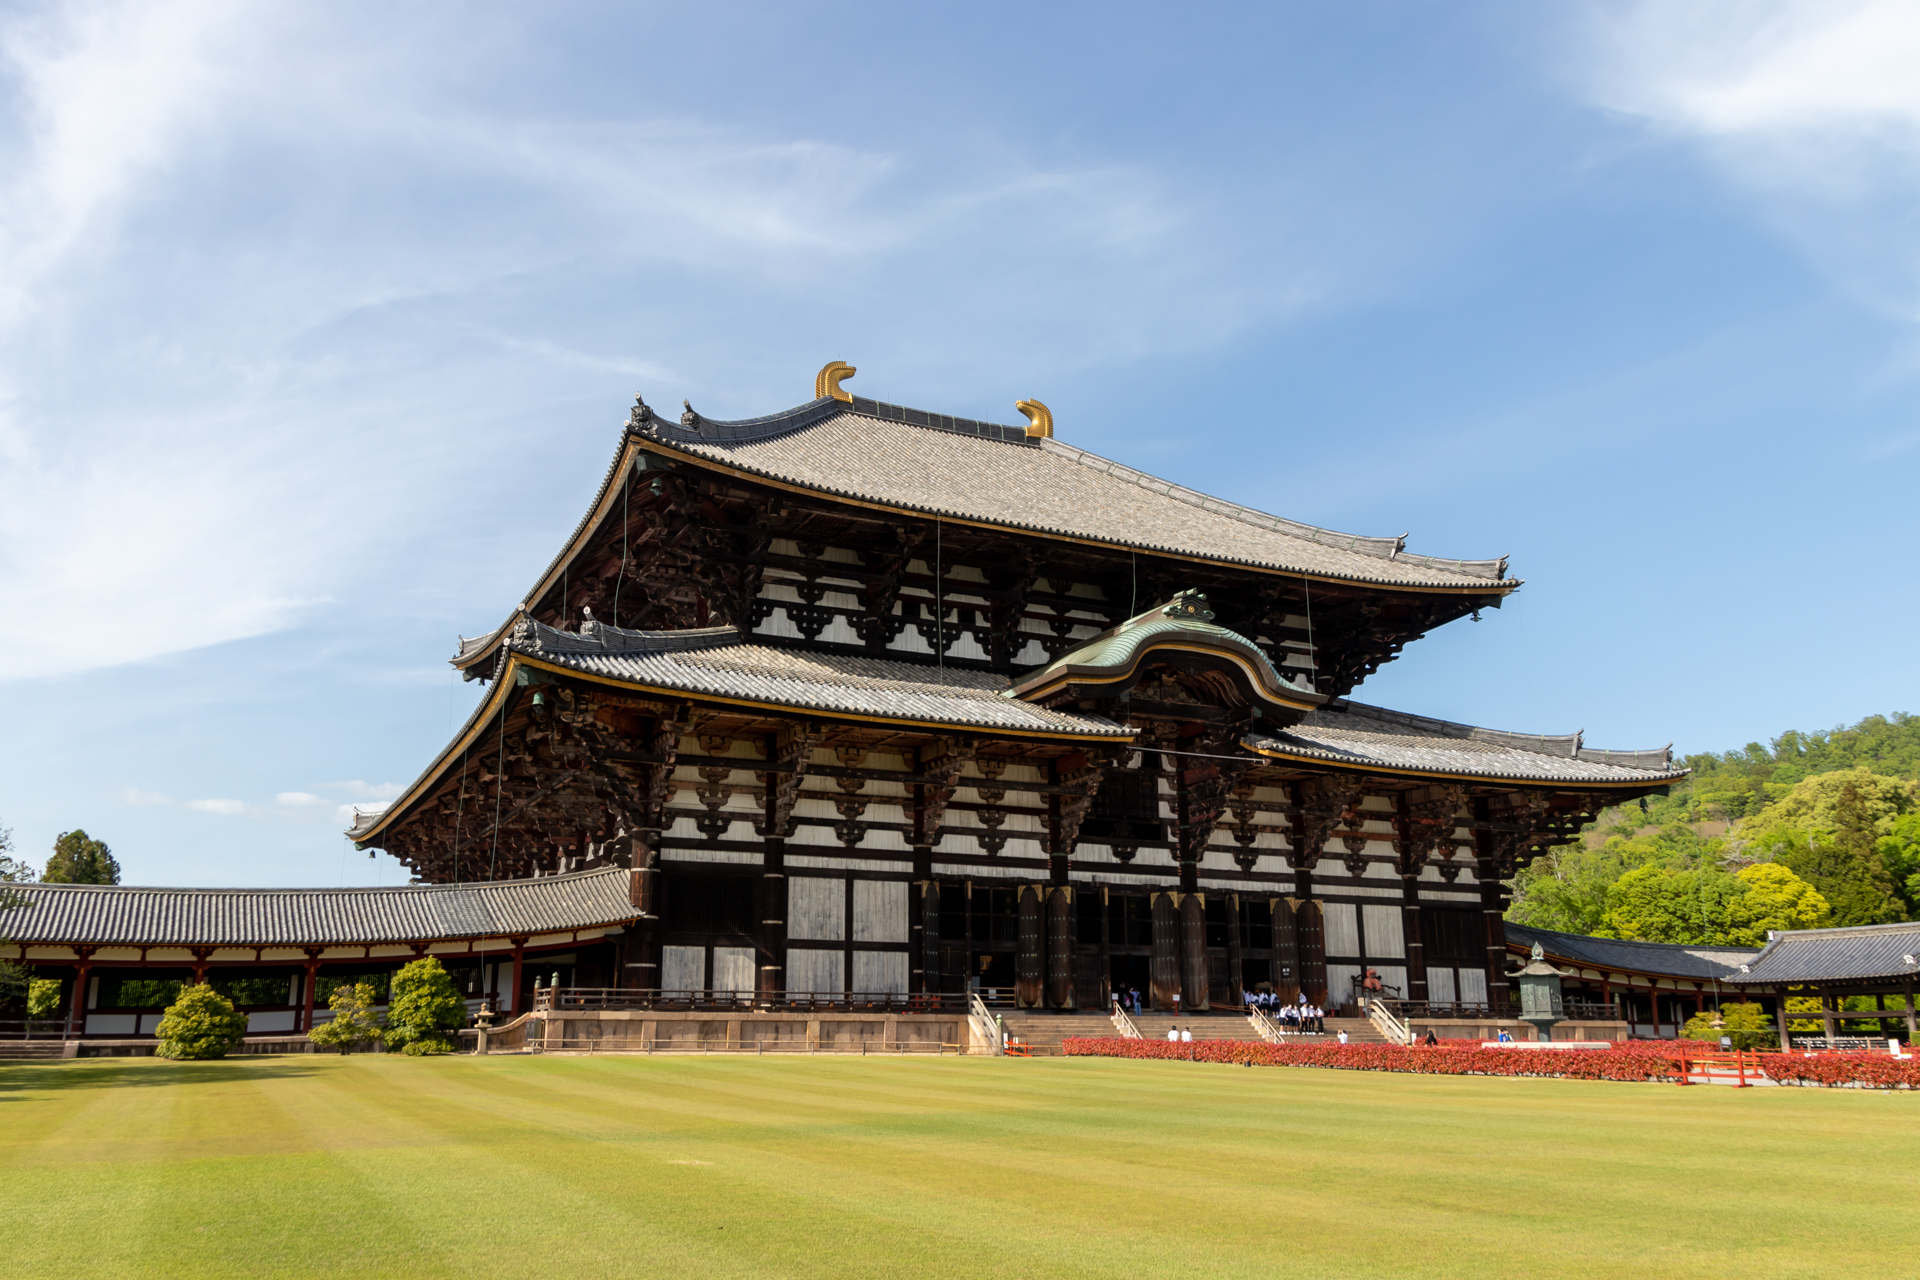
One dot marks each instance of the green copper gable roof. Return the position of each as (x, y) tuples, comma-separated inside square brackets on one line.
[(1184, 622)]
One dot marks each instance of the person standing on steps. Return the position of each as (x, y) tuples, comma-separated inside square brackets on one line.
[(1173, 1034)]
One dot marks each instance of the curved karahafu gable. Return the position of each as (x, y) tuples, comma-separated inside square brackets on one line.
[(1180, 632)]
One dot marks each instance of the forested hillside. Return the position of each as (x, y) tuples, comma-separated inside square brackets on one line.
[(1814, 829)]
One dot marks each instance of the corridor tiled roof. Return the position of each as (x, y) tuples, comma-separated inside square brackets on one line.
[(1836, 955), (135, 916), (920, 461), (1359, 736), (1621, 955), (717, 662)]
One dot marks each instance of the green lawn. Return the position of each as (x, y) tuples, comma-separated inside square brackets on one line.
[(583, 1167)]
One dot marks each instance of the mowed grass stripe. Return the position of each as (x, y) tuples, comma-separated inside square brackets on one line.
[(814, 1167)]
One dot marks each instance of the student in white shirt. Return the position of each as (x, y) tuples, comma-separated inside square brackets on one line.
[(1186, 1035), (1173, 1034)]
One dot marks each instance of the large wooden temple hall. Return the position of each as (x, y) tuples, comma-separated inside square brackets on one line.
[(854, 698)]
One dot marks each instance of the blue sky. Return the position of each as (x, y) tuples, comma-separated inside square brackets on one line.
[(318, 325)]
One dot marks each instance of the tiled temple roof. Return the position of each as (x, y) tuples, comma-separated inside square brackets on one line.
[(1660, 958), (1836, 955), (129, 915), (1354, 735), (925, 462), (717, 662)]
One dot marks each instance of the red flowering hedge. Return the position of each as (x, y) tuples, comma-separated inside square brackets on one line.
[(1629, 1060), (1833, 1070), (1577, 1064)]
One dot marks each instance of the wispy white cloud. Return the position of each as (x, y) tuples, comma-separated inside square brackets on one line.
[(134, 795), (297, 799), (225, 808), (1812, 106), (359, 790)]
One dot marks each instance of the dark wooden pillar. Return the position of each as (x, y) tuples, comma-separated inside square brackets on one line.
[(1106, 948), (1165, 968), (517, 1006), (928, 976), (1313, 952), (1487, 870), (1410, 928), (772, 943), (1194, 988), (1030, 962), (1061, 950), (1283, 971), (643, 892), (1236, 962)]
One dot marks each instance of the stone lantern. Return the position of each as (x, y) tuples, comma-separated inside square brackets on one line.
[(1539, 985)]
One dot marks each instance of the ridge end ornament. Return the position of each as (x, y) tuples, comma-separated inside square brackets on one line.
[(640, 417), (826, 383), (1039, 419), (1189, 604)]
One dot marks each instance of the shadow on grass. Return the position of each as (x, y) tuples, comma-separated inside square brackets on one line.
[(20, 1079)]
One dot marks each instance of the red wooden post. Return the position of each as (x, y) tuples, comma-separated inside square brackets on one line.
[(306, 990), (77, 1007), (519, 963)]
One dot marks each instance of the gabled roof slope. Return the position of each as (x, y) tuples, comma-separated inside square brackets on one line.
[(1358, 736), (717, 662), (1664, 959), (1836, 955), (910, 460)]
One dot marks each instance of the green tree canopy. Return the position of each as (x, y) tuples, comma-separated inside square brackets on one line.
[(1747, 1025), (354, 1021), (425, 1006), (80, 859), (200, 1024), (1708, 906)]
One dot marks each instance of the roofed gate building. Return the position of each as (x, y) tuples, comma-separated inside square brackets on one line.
[(868, 699)]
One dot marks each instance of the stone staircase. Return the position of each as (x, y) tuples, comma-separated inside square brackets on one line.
[(36, 1050), (1043, 1032), (1359, 1031)]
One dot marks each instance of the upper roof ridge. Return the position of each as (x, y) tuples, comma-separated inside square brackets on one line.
[(695, 428)]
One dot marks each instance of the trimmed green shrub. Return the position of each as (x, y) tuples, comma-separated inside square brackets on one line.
[(200, 1024), (354, 1021), (1747, 1025), (425, 1006)]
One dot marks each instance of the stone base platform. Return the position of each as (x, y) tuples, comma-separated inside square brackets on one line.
[(641, 1031)]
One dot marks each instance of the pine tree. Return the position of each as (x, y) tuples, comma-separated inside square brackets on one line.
[(80, 859)]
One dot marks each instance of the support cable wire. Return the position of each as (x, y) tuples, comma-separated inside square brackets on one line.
[(460, 814), (625, 490), (499, 784), (939, 609)]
